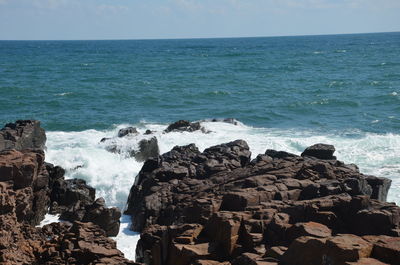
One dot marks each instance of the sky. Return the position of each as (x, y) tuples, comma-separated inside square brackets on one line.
[(160, 19)]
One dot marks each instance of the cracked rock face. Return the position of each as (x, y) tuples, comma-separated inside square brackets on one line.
[(219, 207)]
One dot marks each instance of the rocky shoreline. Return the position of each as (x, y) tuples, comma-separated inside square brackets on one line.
[(197, 208), (29, 187), (221, 207)]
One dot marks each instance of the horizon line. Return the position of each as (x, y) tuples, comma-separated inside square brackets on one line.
[(194, 38)]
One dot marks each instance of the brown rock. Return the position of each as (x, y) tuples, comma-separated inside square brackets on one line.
[(277, 199), (386, 248), (308, 229)]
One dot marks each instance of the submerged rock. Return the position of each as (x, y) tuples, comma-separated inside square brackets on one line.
[(183, 126), (146, 148), (218, 207), (126, 131), (226, 120)]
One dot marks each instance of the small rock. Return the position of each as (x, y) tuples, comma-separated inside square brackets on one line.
[(183, 125), (125, 131), (320, 151)]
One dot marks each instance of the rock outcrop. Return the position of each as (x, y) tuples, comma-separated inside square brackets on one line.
[(147, 148), (28, 186), (24, 176), (221, 207), (23, 134), (75, 201)]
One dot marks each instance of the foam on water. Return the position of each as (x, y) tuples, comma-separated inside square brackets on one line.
[(48, 219), (112, 174)]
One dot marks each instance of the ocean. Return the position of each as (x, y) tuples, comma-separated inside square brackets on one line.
[(286, 92)]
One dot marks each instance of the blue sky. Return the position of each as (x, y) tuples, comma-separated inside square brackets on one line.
[(142, 19)]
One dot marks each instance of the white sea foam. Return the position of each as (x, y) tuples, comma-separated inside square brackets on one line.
[(83, 156), (63, 94), (48, 219)]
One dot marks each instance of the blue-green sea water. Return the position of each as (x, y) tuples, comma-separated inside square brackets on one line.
[(320, 82), (287, 93)]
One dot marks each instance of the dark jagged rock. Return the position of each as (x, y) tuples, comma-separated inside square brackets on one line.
[(104, 139), (147, 148), (23, 134), (71, 191), (147, 132), (217, 206), (320, 151), (126, 131), (183, 125), (106, 218), (75, 201), (226, 120), (181, 163)]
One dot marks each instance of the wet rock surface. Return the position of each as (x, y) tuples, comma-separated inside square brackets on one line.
[(140, 149), (147, 148), (183, 126), (28, 186), (221, 207), (74, 200), (126, 131)]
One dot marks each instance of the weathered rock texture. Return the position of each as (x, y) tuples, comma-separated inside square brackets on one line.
[(28, 186), (219, 207), (75, 201), (22, 134)]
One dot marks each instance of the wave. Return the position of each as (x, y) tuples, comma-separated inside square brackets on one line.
[(112, 174), (63, 94)]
